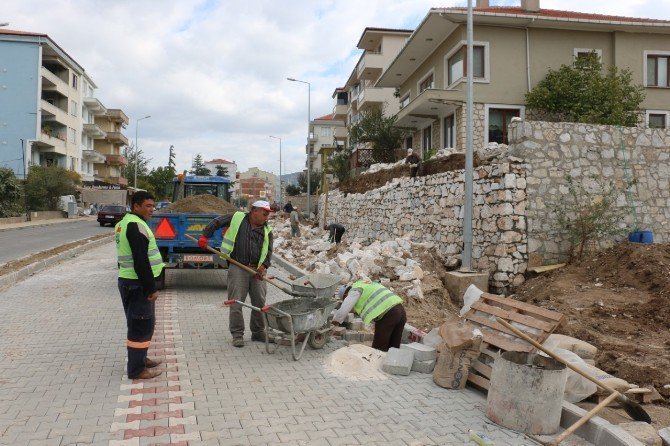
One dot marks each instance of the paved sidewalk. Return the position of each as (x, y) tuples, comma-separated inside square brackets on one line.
[(37, 223), (62, 376)]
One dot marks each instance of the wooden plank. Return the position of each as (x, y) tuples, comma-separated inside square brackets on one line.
[(545, 268), (483, 369), (529, 321), (535, 310), (506, 344), (496, 326), (479, 381)]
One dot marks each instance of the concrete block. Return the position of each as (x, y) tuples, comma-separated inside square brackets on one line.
[(422, 352), (423, 366), (457, 282), (613, 435), (398, 362), (643, 432), (367, 336), (357, 324), (588, 431), (338, 331), (665, 436), (411, 334), (352, 336)]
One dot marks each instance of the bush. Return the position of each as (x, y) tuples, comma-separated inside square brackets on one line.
[(340, 164), (46, 184), (11, 194)]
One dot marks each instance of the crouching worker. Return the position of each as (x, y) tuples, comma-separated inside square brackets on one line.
[(373, 302), (140, 263)]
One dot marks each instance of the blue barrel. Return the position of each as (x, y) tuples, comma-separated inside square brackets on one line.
[(646, 237)]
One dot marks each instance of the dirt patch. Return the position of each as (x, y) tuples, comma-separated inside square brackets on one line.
[(618, 300), (16, 265), (199, 204)]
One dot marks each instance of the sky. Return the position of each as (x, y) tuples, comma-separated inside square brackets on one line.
[(212, 73)]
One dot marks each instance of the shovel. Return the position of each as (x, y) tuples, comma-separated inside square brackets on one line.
[(633, 409)]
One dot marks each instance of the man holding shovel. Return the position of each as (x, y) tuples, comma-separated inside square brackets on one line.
[(248, 240)]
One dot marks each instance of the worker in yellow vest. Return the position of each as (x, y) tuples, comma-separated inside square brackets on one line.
[(373, 302), (247, 239), (139, 263)]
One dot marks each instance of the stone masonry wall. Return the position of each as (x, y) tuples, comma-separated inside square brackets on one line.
[(430, 209), (552, 150)]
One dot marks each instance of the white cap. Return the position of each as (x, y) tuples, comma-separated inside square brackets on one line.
[(261, 204)]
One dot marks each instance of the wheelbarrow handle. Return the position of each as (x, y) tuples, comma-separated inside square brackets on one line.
[(244, 304), (267, 308)]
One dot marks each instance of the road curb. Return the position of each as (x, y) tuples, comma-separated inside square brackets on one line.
[(27, 225), (285, 264), (16, 276)]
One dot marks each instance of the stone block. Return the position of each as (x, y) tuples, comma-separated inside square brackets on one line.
[(398, 362), (423, 366), (458, 281), (665, 436), (338, 331), (422, 352), (411, 334), (357, 324), (643, 432), (613, 435), (367, 336), (352, 336)]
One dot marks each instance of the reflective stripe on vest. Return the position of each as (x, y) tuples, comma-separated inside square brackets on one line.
[(124, 254), (375, 300), (228, 240)]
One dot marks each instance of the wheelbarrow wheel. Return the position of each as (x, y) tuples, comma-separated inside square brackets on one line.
[(318, 340)]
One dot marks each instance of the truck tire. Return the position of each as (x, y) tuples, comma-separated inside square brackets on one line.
[(160, 280)]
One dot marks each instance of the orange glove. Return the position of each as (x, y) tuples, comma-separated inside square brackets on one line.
[(203, 242)]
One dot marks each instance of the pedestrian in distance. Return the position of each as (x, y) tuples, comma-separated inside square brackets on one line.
[(335, 232), (140, 262), (247, 239), (288, 207), (373, 302), (414, 161), (295, 223)]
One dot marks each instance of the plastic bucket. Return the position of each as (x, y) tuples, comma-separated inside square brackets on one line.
[(645, 236)]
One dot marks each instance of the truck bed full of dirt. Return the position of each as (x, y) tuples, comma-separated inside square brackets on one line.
[(199, 204)]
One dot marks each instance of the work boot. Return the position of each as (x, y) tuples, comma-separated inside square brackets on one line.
[(259, 336), (147, 374), (151, 363), (238, 342)]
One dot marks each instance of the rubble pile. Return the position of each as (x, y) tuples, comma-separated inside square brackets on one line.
[(199, 204)]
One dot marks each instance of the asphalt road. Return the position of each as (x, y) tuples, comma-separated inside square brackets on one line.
[(20, 242)]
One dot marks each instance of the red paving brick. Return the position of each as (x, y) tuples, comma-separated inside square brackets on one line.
[(162, 430), (170, 414), (140, 416), (132, 433)]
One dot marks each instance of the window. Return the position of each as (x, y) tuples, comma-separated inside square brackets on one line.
[(75, 81), (449, 132), (586, 52), (73, 134), (457, 63), (408, 142), (657, 119), (499, 120), (326, 131), (73, 108), (426, 83), (404, 102), (427, 139), (657, 70)]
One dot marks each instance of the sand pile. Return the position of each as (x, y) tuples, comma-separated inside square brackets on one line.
[(199, 204), (356, 362)]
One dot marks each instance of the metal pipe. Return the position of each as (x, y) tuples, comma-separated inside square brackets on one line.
[(466, 261), (137, 149), (309, 155)]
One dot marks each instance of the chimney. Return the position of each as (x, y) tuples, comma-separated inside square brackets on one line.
[(530, 5), (482, 4)]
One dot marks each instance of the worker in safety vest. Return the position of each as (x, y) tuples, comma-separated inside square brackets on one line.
[(373, 302), (247, 239), (140, 263)]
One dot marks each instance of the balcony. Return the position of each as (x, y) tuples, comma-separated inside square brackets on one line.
[(428, 106), (116, 160), (93, 131), (373, 96), (94, 106), (51, 142), (121, 181), (340, 111), (52, 112), (340, 133), (51, 82), (370, 66), (116, 138), (93, 156), (117, 115)]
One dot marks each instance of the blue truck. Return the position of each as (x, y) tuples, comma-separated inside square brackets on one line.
[(170, 229)]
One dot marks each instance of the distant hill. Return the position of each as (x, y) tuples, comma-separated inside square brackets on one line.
[(290, 178)]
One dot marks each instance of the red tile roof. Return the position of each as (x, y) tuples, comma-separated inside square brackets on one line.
[(329, 117), (220, 161), (21, 33), (554, 13)]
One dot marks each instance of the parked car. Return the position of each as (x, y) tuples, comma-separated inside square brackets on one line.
[(162, 204), (111, 214)]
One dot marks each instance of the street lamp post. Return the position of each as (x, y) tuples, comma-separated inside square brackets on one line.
[(309, 155), (280, 191), (137, 149)]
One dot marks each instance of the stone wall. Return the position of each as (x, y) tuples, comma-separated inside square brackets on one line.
[(553, 150), (430, 209)]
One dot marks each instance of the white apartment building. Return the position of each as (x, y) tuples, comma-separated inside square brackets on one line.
[(326, 135)]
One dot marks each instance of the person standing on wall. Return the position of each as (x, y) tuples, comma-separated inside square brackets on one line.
[(140, 263), (247, 239), (295, 223)]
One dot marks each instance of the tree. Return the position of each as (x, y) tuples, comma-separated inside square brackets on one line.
[(135, 159), (171, 159), (161, 180), (198, 166), (340, 164), (583, 93), (45, 185), (293, 190), (380, 131), (314, 181), (221, 171), (11, 194)]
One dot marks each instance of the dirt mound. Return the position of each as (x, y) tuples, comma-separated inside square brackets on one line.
[(618, 300), (364, 183), (199, 204)]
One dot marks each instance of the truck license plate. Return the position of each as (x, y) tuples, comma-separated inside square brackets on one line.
[(197, 258)]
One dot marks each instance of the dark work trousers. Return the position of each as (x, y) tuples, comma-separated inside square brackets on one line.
[(140, 319), (338, 235), (388, 329), (241, 283)]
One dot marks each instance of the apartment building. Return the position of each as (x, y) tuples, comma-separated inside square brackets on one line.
[(230, 166), (112, 145), (257, 183), (325, 139), (48, 110), (514, 47)]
